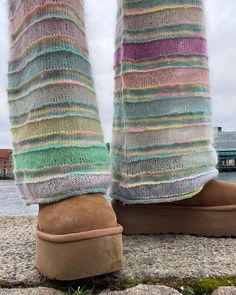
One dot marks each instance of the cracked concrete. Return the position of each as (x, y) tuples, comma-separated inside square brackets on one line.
[(146, 257)]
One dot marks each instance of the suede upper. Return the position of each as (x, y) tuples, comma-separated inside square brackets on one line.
[(76, 214), (214, 193)]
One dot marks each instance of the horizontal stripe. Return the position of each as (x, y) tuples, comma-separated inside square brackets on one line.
[(52, 95), (157, 48), (63, 135), (64, 185), (163, 120), (59, 143), (152, 3), (48, 10), (162, 108), (69, 124), (163, 18), (45, 45), (44, 77), (163, 137), (46, 28), (18, 11), (165, 192), (40, 175), (151, 79), (60, 61), (54, 112), (171, 33), (53, 144), (158, 178), (163, 62), (160, 165), (27, 92), (61, 157), (163, 154), (156, 8), (56, 107), (163, 91)]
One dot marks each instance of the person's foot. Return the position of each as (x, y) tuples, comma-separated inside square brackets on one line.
[(212, 212), (77, 238)]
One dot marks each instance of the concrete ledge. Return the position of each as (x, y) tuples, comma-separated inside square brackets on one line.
[(146, 257)]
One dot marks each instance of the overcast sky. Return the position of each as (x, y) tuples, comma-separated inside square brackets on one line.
[(100, 23)]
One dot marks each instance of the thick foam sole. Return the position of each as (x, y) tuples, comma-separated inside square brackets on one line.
[(77, 256), (167, 219)]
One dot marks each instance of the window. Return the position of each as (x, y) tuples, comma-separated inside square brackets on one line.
[(230, 162)]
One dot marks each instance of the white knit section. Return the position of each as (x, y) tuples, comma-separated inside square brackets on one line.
[(62, 188)]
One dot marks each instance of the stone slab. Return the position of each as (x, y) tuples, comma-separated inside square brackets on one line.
[(225, 291), (30, 291), (153, 257), (144, 290)]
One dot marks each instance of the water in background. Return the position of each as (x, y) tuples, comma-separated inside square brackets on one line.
[(11, 204)]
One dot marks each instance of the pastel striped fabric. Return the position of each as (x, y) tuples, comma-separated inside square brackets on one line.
[(57, 136), (162, 131)]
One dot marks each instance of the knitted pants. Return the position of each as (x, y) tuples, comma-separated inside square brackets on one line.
[(162, 133)]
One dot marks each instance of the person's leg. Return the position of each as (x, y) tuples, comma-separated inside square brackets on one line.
[(60, 159), (162, 144), (162, 147), (57, 136)]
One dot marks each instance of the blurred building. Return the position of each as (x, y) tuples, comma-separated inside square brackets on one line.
[(225, 145), (6, 164)]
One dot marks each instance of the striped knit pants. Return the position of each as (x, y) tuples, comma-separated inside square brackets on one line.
[(162, 133)]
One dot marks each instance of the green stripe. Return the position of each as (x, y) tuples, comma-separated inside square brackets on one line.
[(175, 88), (61, 157), (167, 28), (42, 50), (129, 67), (62, 138), (81, 78), (92, 170)]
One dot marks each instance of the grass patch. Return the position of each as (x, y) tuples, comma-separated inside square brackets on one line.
[(87, 287), (80, 291), (186, 287)]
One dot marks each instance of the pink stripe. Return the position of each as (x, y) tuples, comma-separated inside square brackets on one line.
[(162, 77), (49, 27), (159, 48)]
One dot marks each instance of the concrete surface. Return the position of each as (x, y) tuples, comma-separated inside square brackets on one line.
[(144, 290), (30, 291), (225, 291), (153, 257)]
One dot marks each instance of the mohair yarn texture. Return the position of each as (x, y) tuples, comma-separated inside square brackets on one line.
[(57, 136), (162, 131)]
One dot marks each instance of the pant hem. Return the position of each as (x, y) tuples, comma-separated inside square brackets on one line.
[(48, 200), (158, 199)]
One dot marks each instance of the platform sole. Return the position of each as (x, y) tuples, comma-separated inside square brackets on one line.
[(78, 258), (161, 219)]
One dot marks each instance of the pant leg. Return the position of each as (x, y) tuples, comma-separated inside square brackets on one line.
[(162, 130), (57, 137)]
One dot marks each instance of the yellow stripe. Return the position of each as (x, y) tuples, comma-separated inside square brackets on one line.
[(156, 128), (160, 8)]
